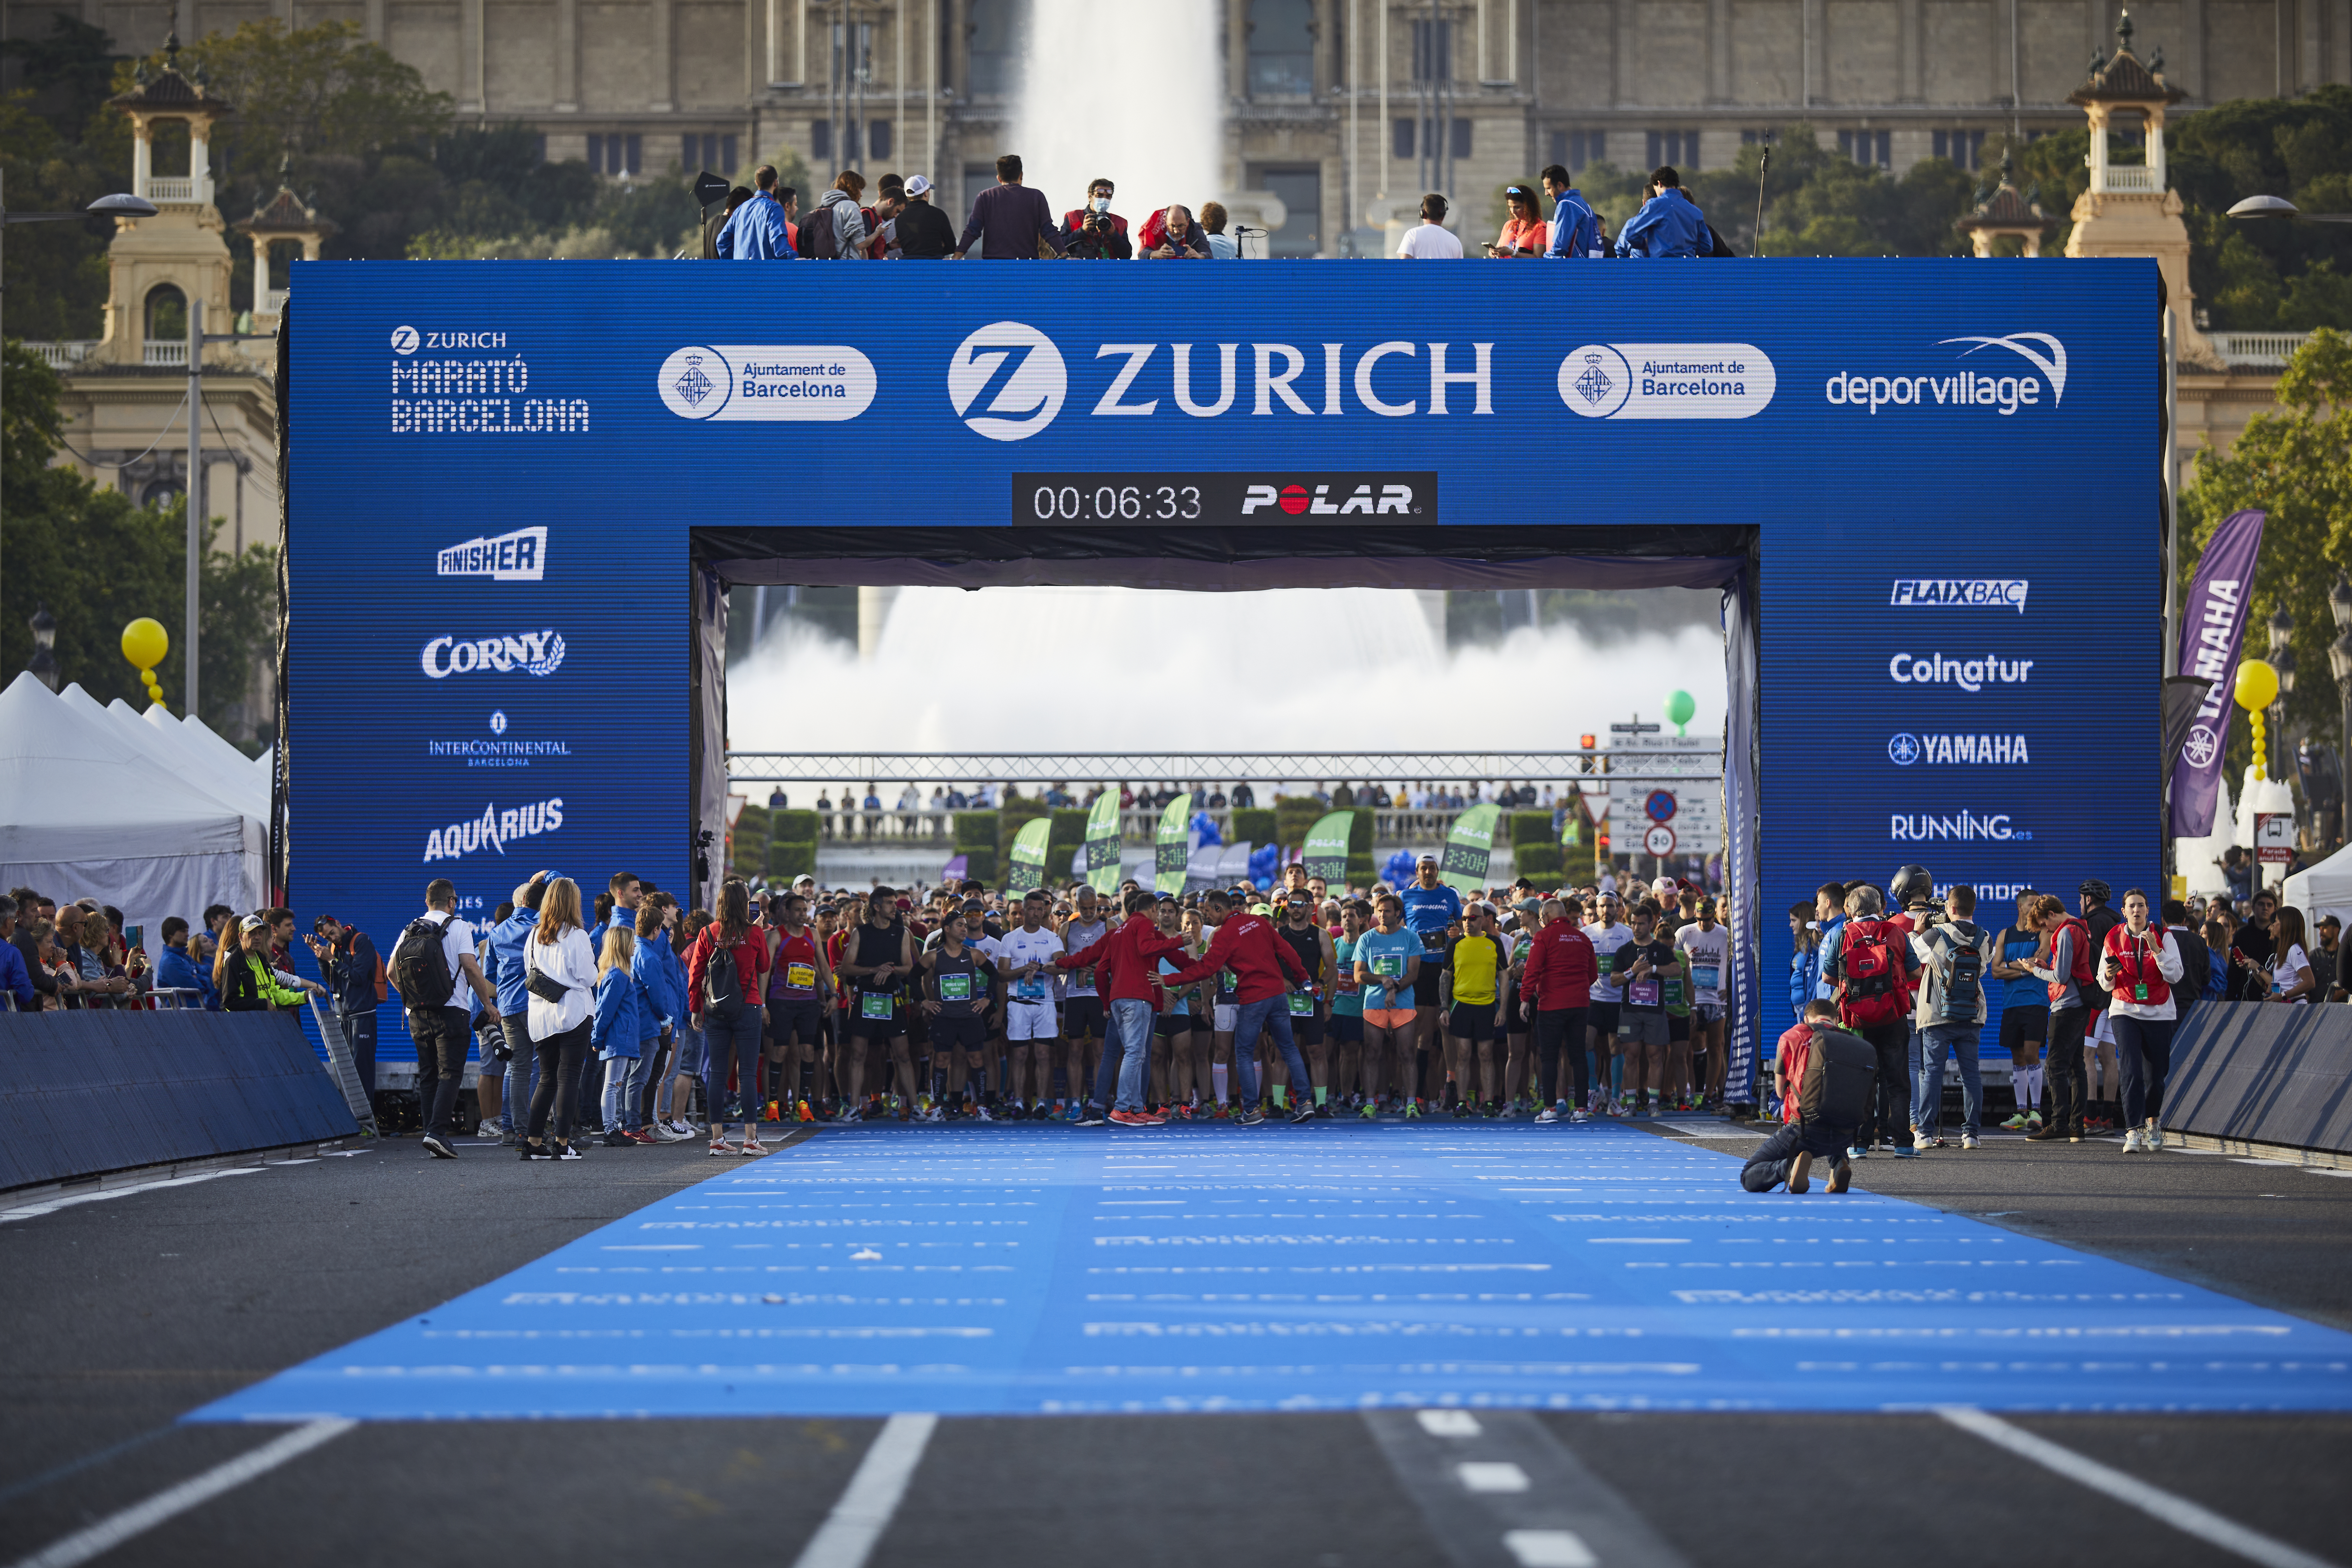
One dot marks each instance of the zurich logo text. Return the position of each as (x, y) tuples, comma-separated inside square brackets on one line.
[(531, 653), (493, 830)]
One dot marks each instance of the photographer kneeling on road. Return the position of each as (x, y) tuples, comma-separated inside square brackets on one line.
[(1826, 1079)]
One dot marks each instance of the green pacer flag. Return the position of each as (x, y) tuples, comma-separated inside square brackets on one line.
[(1468, 847), (1326, 847), (1173, 848), (1027, 871), (1102, 842)]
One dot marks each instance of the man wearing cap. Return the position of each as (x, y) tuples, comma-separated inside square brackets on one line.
[(1430, 908), (924, 232)]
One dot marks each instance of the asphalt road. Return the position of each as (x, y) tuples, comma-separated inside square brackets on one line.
[(127, 1313)]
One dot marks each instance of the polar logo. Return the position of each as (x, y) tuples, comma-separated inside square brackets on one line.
[(1007, 381), (404, 340)]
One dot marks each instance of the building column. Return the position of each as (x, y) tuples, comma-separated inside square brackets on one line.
[(1910, 44), (1620, 53), (567, 55), (470, 68), (664, 97), (373, 21), (1236, 48), (2186, 66), (1327, 71), (1719, 51), (1813, 67)]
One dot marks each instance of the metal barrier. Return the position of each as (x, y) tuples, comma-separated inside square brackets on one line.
[(340, 1062), (2262, 1073), (85, 1092)]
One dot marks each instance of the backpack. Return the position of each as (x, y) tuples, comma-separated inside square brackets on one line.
[(420, 968), (2093, 996), (2086, 971), (1839, 1076), (722, 983), (1962, 977), (819, 239), (1870, 990)]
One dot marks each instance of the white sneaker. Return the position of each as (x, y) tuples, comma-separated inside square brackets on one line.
[(2131, 1141), (1970, 1141), (1546, 1117), (1580, 1116), (2151, 1139), (1921, 1143)]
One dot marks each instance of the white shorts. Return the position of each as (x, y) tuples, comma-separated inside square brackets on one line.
[(1027, 1021), (2104, 1035), (1226, 1015)]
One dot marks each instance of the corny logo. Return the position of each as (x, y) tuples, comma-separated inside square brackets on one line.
[(1959, 592), (786, 381), (517, 557), (1666, 380), (1007, 381), (1967, 387), (533, 653)]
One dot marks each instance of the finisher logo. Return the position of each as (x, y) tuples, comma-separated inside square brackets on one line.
[(493, 830), (827, 381), (1666, 380), (1007, 381), (517, 557)]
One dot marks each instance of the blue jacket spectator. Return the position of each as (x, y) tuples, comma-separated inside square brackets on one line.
[(661, 984), (506, 956), (175, 971), (1669, 225), (613, 1031), (1802, 978), (757, 233), (1823, 951), (16, 980), (1575, 228)]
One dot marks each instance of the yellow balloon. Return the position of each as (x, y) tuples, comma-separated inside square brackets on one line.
[(144, 642), (2257, 684)]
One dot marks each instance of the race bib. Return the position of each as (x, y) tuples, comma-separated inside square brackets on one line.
[(876, 1004), (955, 987), (1703, 976), (1030, 988), (800, 976), (1389, 966), (1084, 980), (1644, 994), (1302, 1004)]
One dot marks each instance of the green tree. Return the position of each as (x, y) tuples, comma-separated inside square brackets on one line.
[(98, 562), (2293, 463)]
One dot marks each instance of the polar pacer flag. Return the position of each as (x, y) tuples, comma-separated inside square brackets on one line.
[(2212, 630), (1027, 871), (1172, 847), (1468, 847), (1326, 847), (1103, 843)]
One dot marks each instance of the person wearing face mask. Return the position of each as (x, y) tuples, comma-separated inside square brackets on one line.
[(1094, 232)]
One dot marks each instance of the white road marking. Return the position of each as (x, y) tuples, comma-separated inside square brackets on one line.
[(863, 1511), (51, 1206), (1449, 1423), (1550, 1549), (2187, 1517), (1491, 1476), (112, 1532)]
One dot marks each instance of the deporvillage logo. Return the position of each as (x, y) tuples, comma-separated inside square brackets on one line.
[(494, 829), (532, 653), (1964, 386)]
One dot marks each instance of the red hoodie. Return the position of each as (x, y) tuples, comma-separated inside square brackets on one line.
[(1561, 968), (1126, 959), (1259, 959)]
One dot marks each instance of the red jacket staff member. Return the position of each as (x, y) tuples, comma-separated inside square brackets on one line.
[(1555, 990), (1261, 962), (1127, 966), (730, 1038)]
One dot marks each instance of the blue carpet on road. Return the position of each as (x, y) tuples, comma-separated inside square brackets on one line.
[(1043, 1270)]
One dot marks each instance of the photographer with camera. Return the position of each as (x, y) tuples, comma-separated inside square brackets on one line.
[(1094, 232), (355, 984)]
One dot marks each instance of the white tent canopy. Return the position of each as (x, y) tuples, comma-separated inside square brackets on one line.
[(2323, 890), (85, 811)]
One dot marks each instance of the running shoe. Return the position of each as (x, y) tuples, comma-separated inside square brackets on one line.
[(489, 1132), (2151, 1139), (1857, 1152), (2047, 1133), (752, 1148), (720, 1146), (981, 1112), (805, 1114), (2131, 1141), (1921, 1140), (2032, 1118), (1092, 1116), (438, 1148), (1224, 1112), (1131, 1119), (1413, 1111), (1076, 1113), (1546, 1116), (537, 1152), (1251, 1116), (1301, 1112), (1970, 1141), (2016, 1123), (566, 1151), (1575, 1116), (1368, 1113), (639, 1135)]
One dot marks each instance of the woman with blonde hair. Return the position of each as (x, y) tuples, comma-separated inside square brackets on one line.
[(613, 1034), (560, 974)]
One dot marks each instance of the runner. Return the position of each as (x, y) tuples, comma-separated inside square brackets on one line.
[(1608, 934), (1346, 1022), (1518, 935), (1082, 1015), (878, 959), (1640, 965), (1706, 946), (1388, 963), (1225, 1009), (1173, 1070), (1477, 963), (800, 984), (1305, 1003), (955, 1000), (1432, 910), (1032, 1026), (2025, 1013)]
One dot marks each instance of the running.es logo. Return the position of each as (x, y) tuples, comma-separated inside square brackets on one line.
[(1007, 381), (1979, 384), (517, 557), (1960, 593)]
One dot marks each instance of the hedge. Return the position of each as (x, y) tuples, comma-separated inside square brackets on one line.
[(1537, 861), (787, 860), (751, 824), (976, 830), (792, 826), (1293, 815), (1256, 825), (1361, 872), (1360, 839), (1068, 837), (1532, 828), (981, 863)]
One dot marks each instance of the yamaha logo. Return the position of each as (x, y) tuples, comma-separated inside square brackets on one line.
[(2201, 747), (1007, 381)]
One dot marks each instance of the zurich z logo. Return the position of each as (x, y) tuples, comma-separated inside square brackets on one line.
[(2050, 362), (1007, 381)]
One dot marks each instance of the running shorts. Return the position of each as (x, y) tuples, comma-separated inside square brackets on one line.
[(1641, 1028), (1225, 1017), (1346, 1029), (1707, 1012), (1425, 986), (1472, 1021), (2018, 1024), (1027, 1021), (1168, 1025), (1602, 1015), (1389, 1018), (1678, 1027), (805, 1019), (1081, 1017), (968, 1033), (862, 1027)]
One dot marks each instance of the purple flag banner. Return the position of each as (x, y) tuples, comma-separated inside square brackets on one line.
[(2212, 630)]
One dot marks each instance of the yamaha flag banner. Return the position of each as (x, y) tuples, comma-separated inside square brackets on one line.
[(1027, 870), (1172, 847), (1103, 843), (2212, 630)]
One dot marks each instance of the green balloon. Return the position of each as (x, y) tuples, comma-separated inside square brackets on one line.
[(1680, 707)]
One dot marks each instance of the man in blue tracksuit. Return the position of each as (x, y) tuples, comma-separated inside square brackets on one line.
[(1669, 224), (1575, 227), (757, 232), (507, 938)]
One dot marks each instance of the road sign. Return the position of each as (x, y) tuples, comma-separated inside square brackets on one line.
[(1660, 806), (2273, 838), (1659, 840)]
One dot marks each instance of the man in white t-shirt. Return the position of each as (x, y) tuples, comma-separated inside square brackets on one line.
[(1709, 942), (1024, 957), (442, 1033), (1428, 241), (1609, 934)]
